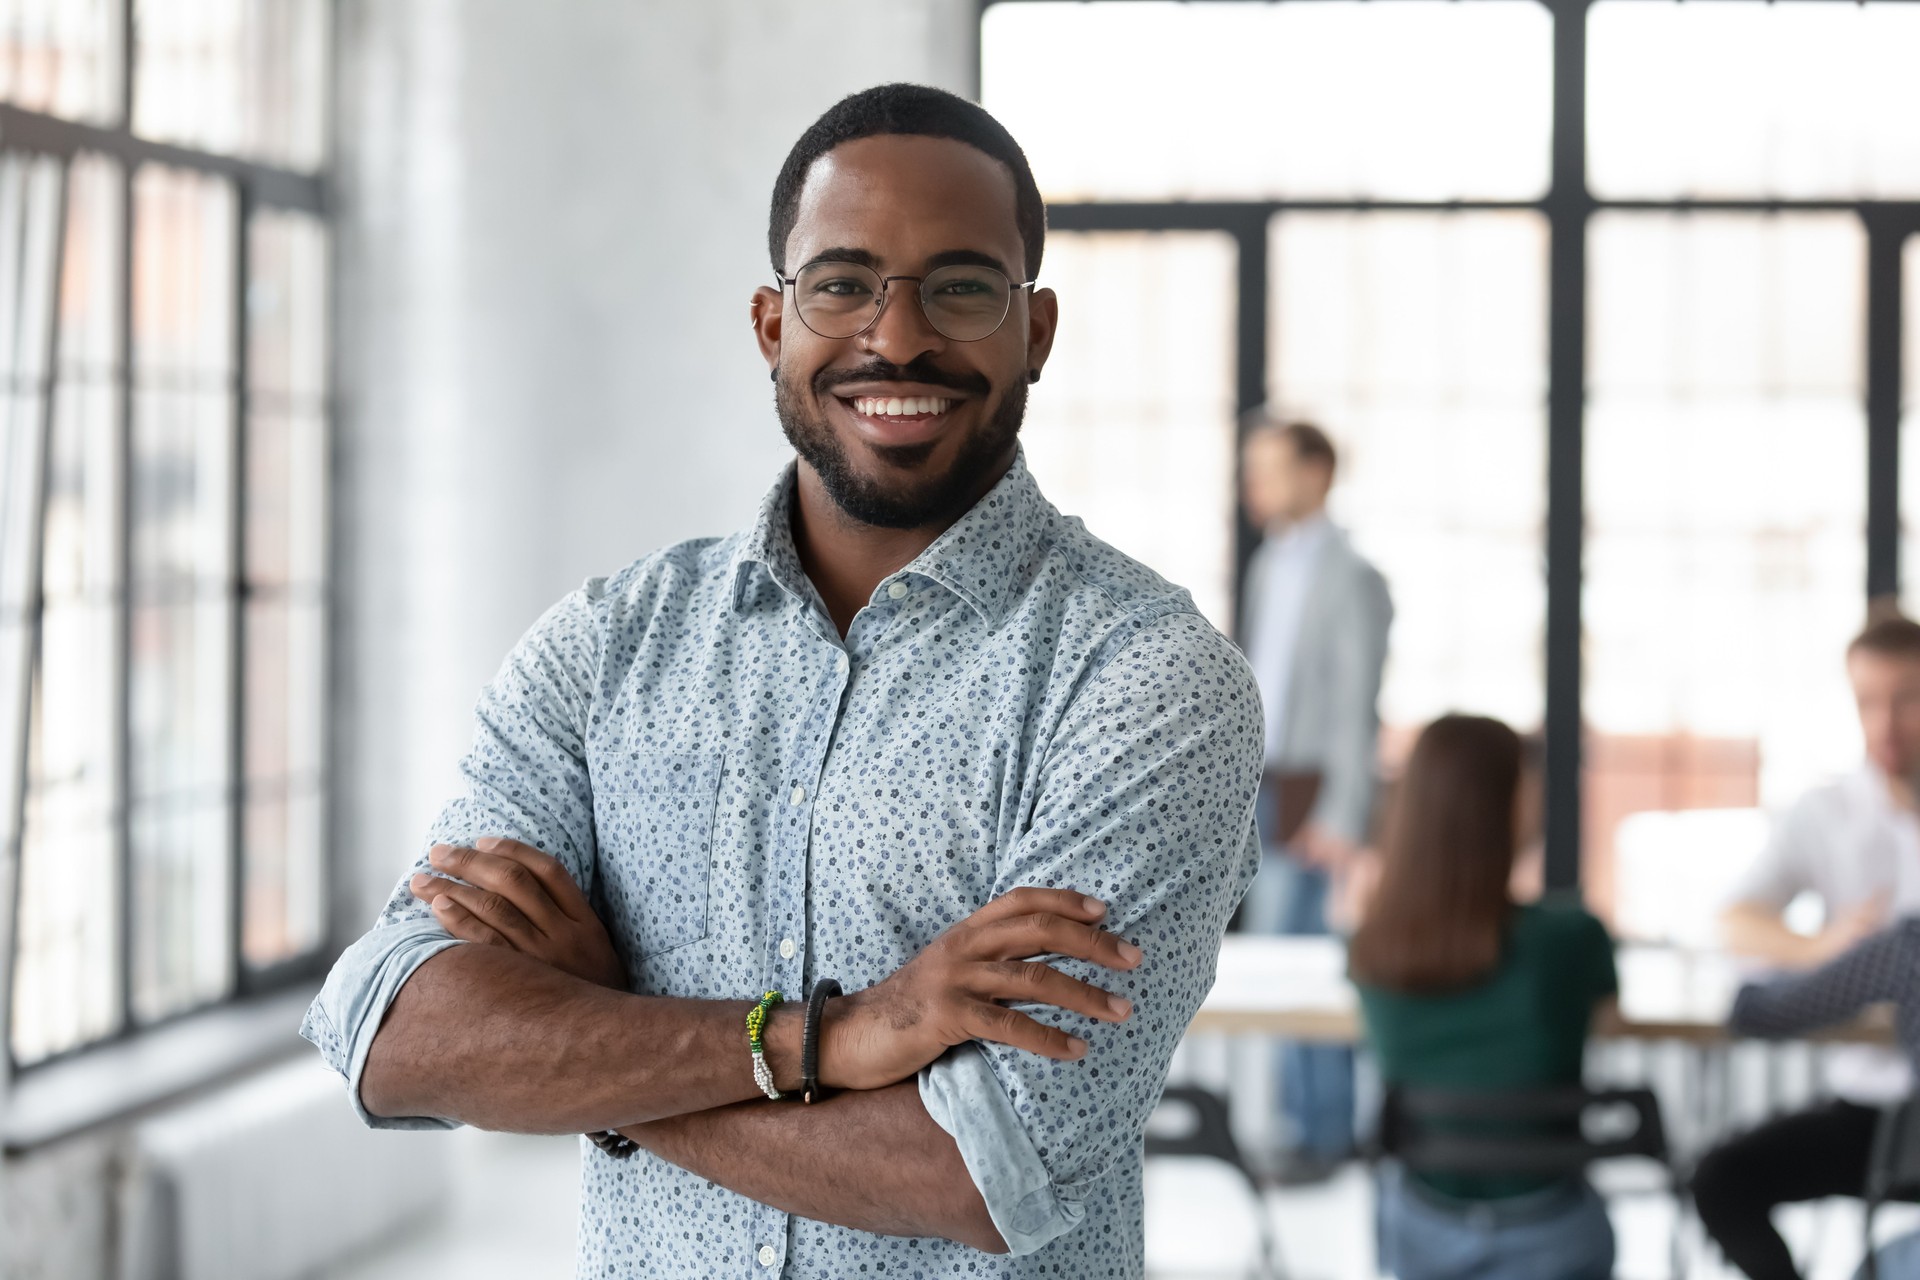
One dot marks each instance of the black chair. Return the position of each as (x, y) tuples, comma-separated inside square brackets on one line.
[(1543, 1132), (1210, 1134), (1893, 1169)]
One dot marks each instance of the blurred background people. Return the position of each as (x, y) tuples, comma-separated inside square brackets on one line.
[(1854, 845), (1821, 1152), (1316, 616), (1463, 988)]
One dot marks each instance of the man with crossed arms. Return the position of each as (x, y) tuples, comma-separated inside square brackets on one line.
[(911, 730)]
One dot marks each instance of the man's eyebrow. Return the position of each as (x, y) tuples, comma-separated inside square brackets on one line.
[(968, 258), (859, 257)]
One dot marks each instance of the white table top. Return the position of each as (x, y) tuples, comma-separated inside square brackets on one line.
[(1297, 987)]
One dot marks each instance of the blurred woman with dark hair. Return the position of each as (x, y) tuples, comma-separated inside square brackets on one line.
[(1464, 988)]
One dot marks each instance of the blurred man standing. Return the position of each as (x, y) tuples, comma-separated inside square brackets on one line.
[(1314, 625), (1854, 844)]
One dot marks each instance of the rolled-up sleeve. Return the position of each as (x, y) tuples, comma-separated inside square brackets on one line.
[(525, 778), (1145, 801)]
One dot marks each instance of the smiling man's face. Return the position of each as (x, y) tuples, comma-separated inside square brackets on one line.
[(904, 205)]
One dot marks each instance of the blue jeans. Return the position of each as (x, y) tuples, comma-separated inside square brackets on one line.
[(1316, 1081), (1899, 1259), (1562, 1233)]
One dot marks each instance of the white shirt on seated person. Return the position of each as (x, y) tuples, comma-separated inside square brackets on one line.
[(1853, 843)]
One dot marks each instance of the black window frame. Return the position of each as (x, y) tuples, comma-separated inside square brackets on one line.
[(1568, 206), (258, 187)]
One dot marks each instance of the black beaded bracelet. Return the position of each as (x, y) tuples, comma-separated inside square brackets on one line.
[(616, 1145), (823, 990)]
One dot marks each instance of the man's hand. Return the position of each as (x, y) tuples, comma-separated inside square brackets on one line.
[(518, 897), (1320, 846), (952, 992), (1850, 928)]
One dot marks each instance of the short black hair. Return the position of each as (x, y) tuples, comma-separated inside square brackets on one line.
[(915, 110)]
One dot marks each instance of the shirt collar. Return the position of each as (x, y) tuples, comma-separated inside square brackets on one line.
[(981, 557)]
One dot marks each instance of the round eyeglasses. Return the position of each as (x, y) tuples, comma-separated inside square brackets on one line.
[(843, 299)]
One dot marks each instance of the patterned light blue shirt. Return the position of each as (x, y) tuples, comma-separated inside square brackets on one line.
[(752, 802)]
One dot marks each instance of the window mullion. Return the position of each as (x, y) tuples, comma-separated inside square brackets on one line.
[(236, 593)]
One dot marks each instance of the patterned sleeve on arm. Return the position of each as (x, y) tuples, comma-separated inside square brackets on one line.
[(526, 779), (1145, 802), (1884, 967)]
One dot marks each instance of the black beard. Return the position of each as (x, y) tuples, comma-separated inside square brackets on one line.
[(904, 503)]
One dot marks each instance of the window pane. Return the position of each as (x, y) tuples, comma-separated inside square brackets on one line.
[(180, 676), (286, 894), (62, 57), (1749, 100), (29, 201), (1418, 342), (245, 77), (182, 917), (66, 982), (286, 308), (1132, 427), (183, 385), (283, 689), (1726, 512), (1384, 98), (182, 661)]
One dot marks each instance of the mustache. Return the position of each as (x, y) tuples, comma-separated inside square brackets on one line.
[(917, 370)]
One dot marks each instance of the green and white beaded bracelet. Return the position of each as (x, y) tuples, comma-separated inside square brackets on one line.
[(756, 1033)]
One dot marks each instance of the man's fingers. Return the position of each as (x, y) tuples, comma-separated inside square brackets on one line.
[(1035, 935), (463, 924), (499, 874), (1010, 1027), (1030, 982), (1030, 901), (548, 870), (490, 908)]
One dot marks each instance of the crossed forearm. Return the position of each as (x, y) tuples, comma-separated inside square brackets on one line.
[(871, 1160), (499, 1040)]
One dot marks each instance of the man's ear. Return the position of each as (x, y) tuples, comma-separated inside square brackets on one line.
[(768, 307), (1043, 317)]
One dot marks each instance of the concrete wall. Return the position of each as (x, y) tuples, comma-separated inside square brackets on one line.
[(551, 219)]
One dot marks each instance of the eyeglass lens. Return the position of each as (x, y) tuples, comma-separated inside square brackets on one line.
[(840, 299)]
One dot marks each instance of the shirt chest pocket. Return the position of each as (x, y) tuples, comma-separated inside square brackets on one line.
[(653, 822)]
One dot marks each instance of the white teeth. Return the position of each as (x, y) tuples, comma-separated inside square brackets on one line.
[(899, 406)]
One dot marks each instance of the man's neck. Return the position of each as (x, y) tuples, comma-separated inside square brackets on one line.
[(845, 559), (1900, 790), (1287, 524)]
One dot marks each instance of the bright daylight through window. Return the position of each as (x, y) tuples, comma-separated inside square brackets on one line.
[(162, 507)]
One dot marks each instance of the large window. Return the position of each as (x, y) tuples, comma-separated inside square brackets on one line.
[(162, 507), (1603, 304)]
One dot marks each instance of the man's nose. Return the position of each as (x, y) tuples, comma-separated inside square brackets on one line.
[(902, 334)]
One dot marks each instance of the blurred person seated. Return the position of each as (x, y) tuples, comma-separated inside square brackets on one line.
[(1462, 987), (1829, 1147), (1854, 844), (1315, 622)]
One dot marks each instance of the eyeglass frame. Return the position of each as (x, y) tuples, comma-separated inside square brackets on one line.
[(886, 296)]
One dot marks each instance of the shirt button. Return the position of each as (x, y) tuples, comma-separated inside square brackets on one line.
[(895, 590), (766, 1255), (786, 948), (799, 794)]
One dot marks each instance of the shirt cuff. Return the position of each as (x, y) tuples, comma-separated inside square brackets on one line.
[(344, 1018), (962, 1095)]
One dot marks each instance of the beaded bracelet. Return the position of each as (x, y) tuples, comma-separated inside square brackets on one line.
[(823, 990), (756, 1029)]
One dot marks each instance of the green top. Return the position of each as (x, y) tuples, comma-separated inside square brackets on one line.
[(1523, 1026)]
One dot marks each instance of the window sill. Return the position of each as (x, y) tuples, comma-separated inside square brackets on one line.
[(122, 1079)]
